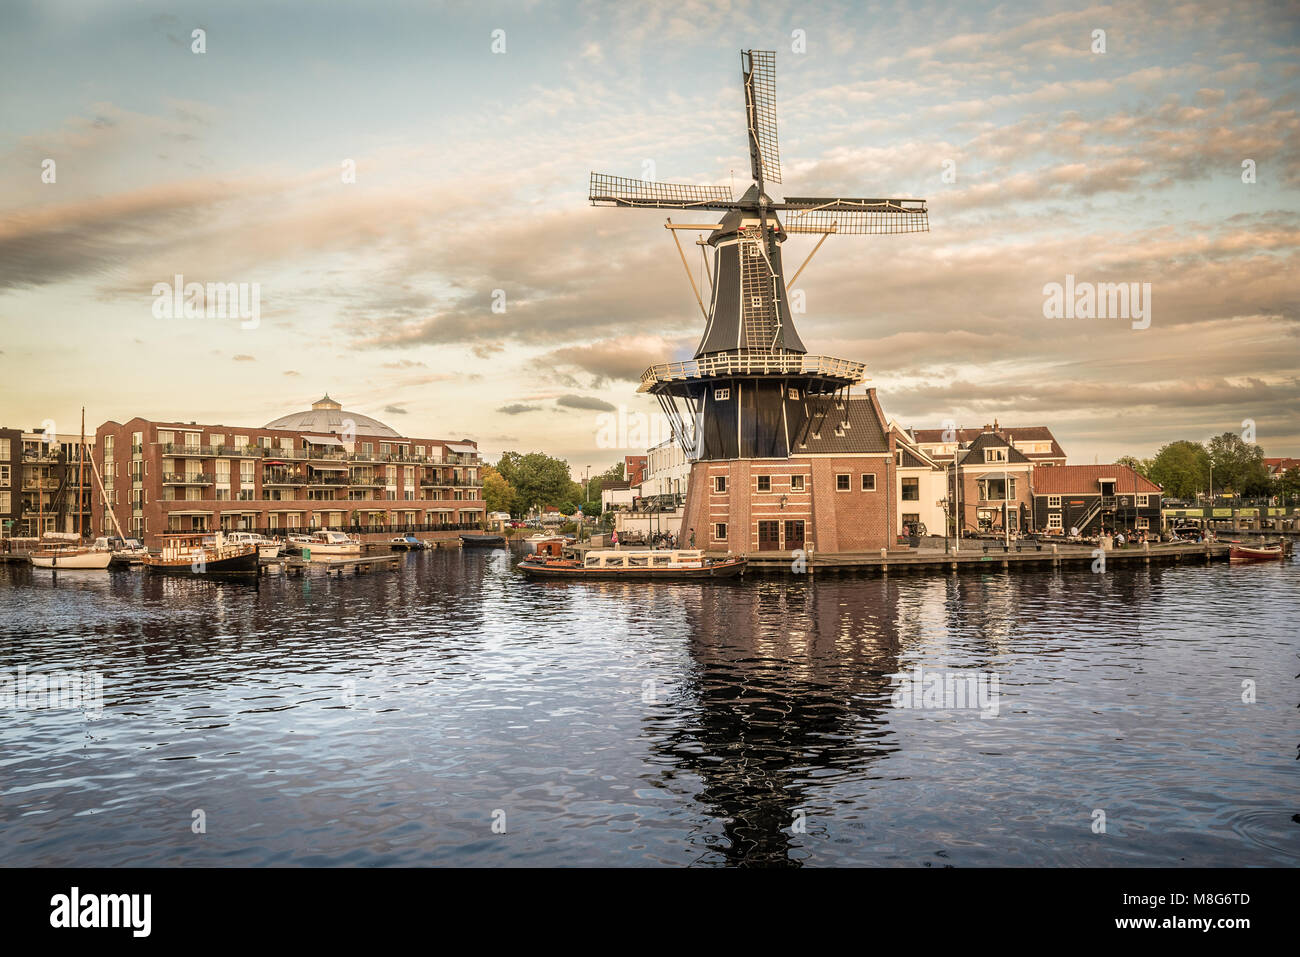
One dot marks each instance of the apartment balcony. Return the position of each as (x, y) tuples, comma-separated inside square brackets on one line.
[(323, 480), (364, 482), (197, 478), (46, 484), (282, 478)]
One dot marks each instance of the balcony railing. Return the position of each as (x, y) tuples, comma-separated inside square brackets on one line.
[(724, 364), (198, 478)]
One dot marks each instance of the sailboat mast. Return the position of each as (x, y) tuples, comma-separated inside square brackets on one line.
[(81, 476)]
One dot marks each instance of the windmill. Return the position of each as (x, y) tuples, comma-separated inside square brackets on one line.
[(746, 394)]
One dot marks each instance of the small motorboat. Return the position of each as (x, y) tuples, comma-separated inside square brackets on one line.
[(406, 543), (204, 554), (1239, 552), (330, 544), (267, 548), (482, 541), (651, 563), (125, 551)]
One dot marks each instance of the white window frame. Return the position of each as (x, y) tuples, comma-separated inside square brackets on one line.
[(796, 483), (848, 481), (1053, 501), (721, 395), (872, 476), (720, 484), (1054, 520), (1144, 501), (719, 531)]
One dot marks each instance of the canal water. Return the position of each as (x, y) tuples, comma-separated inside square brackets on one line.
[(452, 713)]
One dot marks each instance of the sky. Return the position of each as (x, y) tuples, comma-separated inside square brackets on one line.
[(459, 285)]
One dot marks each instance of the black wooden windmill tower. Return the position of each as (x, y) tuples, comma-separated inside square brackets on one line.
[(746, 393)]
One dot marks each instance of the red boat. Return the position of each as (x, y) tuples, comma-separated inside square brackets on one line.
[(1238, 552)]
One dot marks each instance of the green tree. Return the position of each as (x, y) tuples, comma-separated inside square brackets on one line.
[(538, 480), (1141, 466), (1238, 465), (497, 492), (1181, 469)]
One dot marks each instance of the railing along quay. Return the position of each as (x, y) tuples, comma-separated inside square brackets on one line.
[(982, 556)]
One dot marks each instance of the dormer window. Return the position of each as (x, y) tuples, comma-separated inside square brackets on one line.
[(995, 455)]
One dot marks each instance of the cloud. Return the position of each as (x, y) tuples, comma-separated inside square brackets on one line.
[(394, 410), (585, 402), (517, 408), (244, 358)]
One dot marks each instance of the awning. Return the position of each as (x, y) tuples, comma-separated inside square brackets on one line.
[(329, 468), (322, 440), (461, 449), (190, 512), (274, 462), (995, 475)]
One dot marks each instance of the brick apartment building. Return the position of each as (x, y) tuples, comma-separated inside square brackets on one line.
[(39, 483), (322, 468)]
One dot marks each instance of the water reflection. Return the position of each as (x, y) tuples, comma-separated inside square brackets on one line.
[(381, 718)]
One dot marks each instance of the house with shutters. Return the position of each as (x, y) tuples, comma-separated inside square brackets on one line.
[(1093, 498)]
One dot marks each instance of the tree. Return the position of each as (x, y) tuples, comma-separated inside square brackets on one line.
[(1238, 465), (538, 480), (497, 492), (1141, 466), (1181, 469)]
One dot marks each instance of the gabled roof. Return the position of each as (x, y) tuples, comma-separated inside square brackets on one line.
[(992, 440), (865, 431), (1032, 433), (1083, 480)]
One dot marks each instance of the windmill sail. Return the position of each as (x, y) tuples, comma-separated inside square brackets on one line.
[(759, 70), (855, 217), (609, 190)]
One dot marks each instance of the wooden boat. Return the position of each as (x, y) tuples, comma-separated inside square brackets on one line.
[(482, 541), (1239, 552), (203, 553), (67, 555), (406, 543), (332, 544), (650, 563)]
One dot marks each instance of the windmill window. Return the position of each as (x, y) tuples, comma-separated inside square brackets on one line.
[(765, 483), (720, 531), (752, 251), (719, 483), (756, 301), (794, 394), (721, 395)]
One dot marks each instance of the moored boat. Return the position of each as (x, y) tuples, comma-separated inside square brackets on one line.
[(329, 544), (62, 554), (482, 541), (605, 564), (125, 552), (203, 553), (267, 548), (1239, 552), (406, 543)]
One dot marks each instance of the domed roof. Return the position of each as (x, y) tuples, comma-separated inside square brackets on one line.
[(329, 417)]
